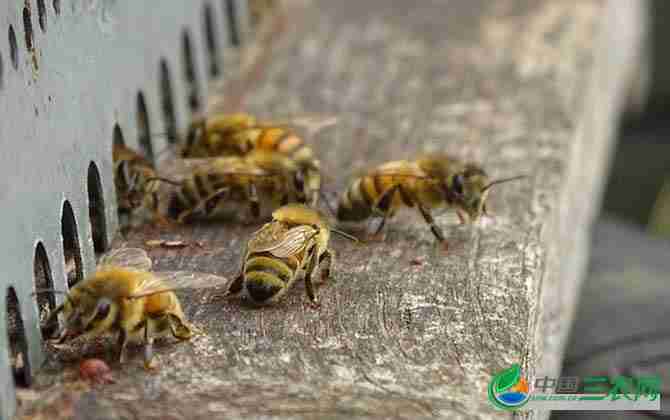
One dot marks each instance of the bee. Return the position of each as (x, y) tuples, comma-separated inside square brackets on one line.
[(136, 182), (238, 134), (427, 183), (124, 298), (214, 184), (294, 242), (211, 136)]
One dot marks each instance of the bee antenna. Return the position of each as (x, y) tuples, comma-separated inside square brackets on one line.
[(500, 181), (345, 235), (45, 291), (166, 180), (324, 198)]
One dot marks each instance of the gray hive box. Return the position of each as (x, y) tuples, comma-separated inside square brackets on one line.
[(73, 74)]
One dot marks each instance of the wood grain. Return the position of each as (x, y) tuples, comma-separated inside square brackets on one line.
[(405, 330)]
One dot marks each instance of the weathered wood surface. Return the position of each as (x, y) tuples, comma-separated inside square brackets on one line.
[(405, 330)]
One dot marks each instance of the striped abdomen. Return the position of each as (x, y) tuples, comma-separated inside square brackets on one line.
[(267, 277), (198, 187), (287, 143), (360, 199)]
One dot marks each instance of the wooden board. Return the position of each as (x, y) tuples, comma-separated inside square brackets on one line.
[(405, 330)]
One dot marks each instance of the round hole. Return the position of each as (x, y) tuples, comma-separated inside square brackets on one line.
[(46, 302), (56, 5), (16, 336), (233, 26), (210, 39), (28, 26), (190, 72), (42, 14), (167, 102), (96, 209), (13, 49), (72, 252), (143, 128)]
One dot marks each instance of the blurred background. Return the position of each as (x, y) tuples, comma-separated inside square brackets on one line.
[(622, 324)]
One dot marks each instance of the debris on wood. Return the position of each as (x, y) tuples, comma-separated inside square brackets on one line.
[(417, 261), (95, 371), (155, 243)]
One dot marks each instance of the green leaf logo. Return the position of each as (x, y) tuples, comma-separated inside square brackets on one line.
[(507, 378), (502, 382)]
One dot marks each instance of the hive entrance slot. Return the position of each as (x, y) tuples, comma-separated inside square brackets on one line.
[(71, 249), (143, 128), (96, 209), (210, 38), (46, 302), (42, 14), (13, 49), (190, 72), (233, 25), (17, 340), (167, 102)]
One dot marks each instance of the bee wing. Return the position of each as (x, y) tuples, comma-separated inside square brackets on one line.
[(168, 281), (310, 123), (182, 168), (291, 242), (135, 258), (399, 174), (179, 168)]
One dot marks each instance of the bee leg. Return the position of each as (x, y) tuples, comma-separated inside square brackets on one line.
[(326, 262), (122, 344), (179, 328), (254, 202), (383, 207), (148, 346), (460, 216), (433, 226), (309, 287), (159, 219), (213, 200), (236, 285)]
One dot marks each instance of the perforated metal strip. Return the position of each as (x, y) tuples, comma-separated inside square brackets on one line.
[(74, 74)]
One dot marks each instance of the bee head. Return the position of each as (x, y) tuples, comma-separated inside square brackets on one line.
[(469, 189), (84, 313)]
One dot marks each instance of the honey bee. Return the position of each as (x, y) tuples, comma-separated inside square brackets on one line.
[(125, 298), (430, 182), (294, 242), (136, 182), (212, 136), (213, 184), (238, 134)]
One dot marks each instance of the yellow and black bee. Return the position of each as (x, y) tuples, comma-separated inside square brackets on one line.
[(213, 136), (124, 298), (239, 134), (260, 180), (427, 183), (136, 182), (294, 242)]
